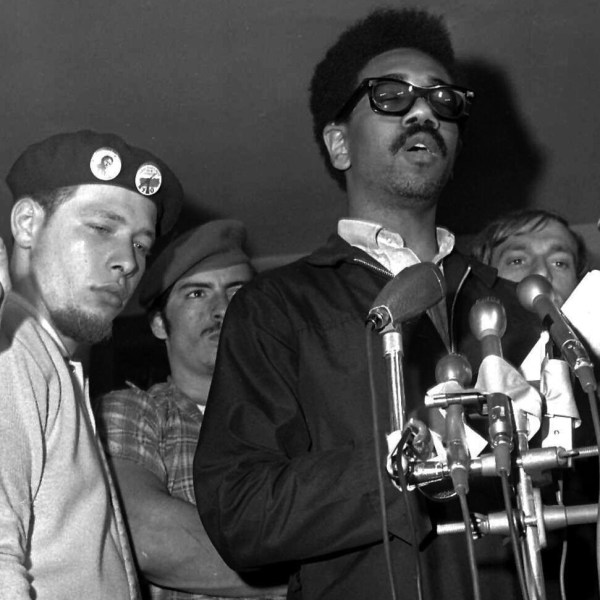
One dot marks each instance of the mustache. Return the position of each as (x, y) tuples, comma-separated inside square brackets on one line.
[(403, 137)]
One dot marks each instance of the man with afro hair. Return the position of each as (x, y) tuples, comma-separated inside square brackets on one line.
[(288, 468)]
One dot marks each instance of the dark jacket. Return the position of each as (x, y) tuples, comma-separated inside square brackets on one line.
[(286, 470)]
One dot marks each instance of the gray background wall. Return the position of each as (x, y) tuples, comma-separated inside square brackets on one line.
[(219, 89)]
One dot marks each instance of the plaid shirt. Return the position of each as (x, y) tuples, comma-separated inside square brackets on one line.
[(159, 430)]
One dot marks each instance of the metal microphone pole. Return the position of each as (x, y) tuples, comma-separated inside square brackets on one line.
[(393, 353), (529, 502), (410, 293), (488, 323)]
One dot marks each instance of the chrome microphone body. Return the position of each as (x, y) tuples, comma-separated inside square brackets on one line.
[(455, 367), (487, 320), (535, 294)]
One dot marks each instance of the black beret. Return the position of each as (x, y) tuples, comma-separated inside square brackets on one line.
[(84, 157), (214, 245)]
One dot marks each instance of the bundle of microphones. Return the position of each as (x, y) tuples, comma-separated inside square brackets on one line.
[(501, 394)]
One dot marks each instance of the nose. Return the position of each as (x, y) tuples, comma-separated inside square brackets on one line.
[(221, 302), (540, 267), (124, 259), (420, 112)]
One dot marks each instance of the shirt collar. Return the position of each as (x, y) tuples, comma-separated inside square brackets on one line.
[(377, 241)]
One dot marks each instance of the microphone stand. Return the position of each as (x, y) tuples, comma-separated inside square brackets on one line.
[(528, 499), (529, 502), (532, 517)]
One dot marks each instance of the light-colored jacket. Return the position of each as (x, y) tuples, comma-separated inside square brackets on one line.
[(60, 535)]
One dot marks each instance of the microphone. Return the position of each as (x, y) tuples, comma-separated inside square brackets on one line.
[(455, 367), (487, 321), (535, 294), (500, 430), (408, 294)]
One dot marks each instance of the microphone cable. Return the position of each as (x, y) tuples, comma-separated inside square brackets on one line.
[(464, 507), (411, 518), (564, 545), (510, 515), (381, 485)]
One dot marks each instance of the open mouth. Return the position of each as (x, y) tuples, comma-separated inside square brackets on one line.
[(419, 141), (419, 147), (422, 142)]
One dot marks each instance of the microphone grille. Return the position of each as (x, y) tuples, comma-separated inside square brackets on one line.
[(454, 367), (529, 288), (411, 292), (487, 317)]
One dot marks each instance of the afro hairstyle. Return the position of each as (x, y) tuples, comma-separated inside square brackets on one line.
[(335, 77)]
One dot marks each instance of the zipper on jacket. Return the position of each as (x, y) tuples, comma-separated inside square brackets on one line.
[(383, 271), (373, 267), (453, 308)]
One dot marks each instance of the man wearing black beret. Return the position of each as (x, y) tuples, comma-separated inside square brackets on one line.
[(81, 237), (151, 436)]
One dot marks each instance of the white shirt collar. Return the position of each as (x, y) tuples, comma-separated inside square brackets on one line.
[(388, 247)]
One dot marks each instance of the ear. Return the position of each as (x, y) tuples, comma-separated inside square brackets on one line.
[(157, 325), (26, 219), (336, 141)]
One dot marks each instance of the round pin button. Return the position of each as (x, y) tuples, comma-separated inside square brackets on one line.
[(148, 179), (105, 164)]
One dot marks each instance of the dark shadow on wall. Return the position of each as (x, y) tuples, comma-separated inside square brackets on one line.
[(132, 355), (500, 162), (191, 216)]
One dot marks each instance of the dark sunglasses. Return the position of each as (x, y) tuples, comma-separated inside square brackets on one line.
[(390, 96)]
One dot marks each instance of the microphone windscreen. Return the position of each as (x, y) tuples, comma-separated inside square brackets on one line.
[(487, 317), (412, 291), (531, 289)]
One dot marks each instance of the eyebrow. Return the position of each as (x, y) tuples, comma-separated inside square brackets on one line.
[(117, 218), (207, 284), (521, 247), (404, 77)]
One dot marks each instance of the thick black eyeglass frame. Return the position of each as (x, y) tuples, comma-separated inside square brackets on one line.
[(368, 86)]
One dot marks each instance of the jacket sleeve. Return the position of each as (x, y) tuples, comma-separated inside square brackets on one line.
[(22, 415), (266, 494)]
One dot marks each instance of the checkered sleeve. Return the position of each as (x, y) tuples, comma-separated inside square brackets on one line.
[(129, 427)]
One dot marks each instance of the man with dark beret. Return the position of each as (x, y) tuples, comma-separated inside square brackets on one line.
[(151, 436), (81, 238)]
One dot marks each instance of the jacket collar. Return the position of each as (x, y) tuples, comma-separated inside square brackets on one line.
[(333, 252), (337, 250)]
